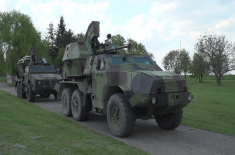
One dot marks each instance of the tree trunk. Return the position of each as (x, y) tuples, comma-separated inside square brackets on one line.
[(201, 77), (185, 76), (218, 79)]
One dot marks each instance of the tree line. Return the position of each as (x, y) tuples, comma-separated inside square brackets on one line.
[(18, 35), (214, 54)]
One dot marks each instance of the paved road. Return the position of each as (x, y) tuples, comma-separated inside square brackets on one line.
[(150, 138)]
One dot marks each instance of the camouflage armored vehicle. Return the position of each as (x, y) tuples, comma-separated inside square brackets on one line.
[(36, 76), (122, 87)]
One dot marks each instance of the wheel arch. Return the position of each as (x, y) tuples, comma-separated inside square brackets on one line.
[(74, 85), (109, 92)]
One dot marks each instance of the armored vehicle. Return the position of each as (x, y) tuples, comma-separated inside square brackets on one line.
[(36, 76), (97, 77)]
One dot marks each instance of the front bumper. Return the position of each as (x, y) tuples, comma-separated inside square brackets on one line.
[(165, 102)]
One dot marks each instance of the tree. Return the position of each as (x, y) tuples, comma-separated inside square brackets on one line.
[(69, 37), (177, 61), (58, 60), (184, 60), (198, 67), (118, 41), (2, 64), (219, 53), (18, 35), (138, 48), (50, 37), (59, 40), (80, 37)]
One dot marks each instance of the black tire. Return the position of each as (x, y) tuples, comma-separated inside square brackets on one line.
[(30, 94), (120, 116), (66, 102), (170, 121), (80, 110), (23, 94), (18, 90), (55, 97)]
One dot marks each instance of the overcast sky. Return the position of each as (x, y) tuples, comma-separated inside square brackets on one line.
[(160, 25)]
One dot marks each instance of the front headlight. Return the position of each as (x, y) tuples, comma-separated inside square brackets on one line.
[(153, 100), (190, 96)]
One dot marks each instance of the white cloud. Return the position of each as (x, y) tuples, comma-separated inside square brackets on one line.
[(139, 28)]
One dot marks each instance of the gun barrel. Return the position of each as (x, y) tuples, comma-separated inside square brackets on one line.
[(117, 48)]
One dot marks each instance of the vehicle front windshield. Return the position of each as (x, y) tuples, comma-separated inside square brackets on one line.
[(36, 69), (119, 60), (143, 60), (49, 69)]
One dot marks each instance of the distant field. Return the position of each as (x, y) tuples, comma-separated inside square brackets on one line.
[(213, 107), (26, 128)]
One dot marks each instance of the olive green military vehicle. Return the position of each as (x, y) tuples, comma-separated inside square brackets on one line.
[(97, 77), (36, 77)]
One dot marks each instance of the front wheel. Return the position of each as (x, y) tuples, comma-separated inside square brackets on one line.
[(120, 116), (80, 106), (30, 94), (170, 121)]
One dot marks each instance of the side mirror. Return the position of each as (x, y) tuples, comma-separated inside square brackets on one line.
[(129, 45), (98, 64)]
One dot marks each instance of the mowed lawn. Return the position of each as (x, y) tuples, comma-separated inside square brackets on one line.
[(26, 128), (213, 107)]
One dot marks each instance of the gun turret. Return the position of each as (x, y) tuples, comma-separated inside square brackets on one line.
[(102, 51), (31, 59)]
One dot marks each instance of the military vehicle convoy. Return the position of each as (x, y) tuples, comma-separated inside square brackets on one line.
[(36, 76), (122, 87)]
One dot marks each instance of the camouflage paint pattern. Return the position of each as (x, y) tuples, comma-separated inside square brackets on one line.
[(100, 74), (41, 82)]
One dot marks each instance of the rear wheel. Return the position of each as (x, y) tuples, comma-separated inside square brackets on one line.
[(66, 101), (170, 121), (80, 106), (120, 116), (30, 94)]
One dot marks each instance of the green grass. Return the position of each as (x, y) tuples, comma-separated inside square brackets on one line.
[(2, 79), (213, 107), (212, 77), (28, 129)]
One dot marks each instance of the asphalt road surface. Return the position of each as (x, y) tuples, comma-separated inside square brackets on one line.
[(150, 138)]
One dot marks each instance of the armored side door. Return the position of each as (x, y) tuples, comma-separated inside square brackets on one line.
[(99, 81)]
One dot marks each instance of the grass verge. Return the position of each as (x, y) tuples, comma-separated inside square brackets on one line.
[(29, 129), (213, 107)]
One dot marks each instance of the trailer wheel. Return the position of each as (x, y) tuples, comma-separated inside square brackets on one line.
[(120, 116), (170, 121), (80, 106), (66, 102), (30, 94)]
